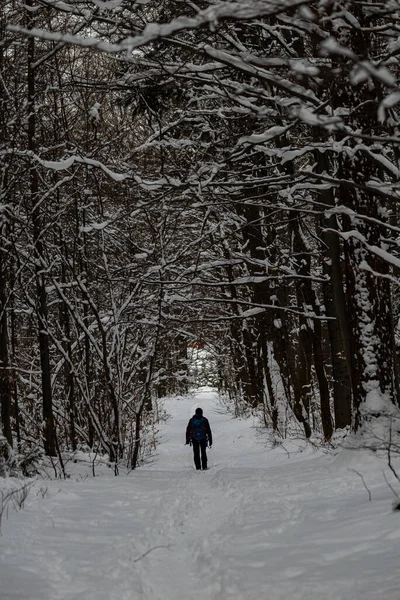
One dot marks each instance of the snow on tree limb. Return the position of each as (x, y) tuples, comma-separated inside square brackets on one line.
[(210, 16)]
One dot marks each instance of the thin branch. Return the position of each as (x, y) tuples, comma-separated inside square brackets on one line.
[(168, 546), (363, 480)]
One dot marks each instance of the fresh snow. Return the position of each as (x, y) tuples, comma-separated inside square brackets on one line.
[(290, 522), (153, 31), (62, 165)]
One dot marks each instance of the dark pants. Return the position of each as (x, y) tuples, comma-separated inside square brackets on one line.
[(197, 446)]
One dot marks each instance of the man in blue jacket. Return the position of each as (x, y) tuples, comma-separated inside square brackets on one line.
[(198, 434)]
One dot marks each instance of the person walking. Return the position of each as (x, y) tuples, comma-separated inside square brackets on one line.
[(198, 434)]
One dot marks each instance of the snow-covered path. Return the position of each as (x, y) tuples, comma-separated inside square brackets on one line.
[(259, 524)]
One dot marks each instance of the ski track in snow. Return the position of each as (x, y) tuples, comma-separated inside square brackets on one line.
[(289, 523)]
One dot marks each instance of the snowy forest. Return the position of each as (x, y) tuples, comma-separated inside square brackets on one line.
[(199, 207), (178, 176)]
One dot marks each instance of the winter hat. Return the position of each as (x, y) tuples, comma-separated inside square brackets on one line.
[(199, 411)]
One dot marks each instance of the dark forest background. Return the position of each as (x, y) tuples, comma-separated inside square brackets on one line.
[(213, 177)]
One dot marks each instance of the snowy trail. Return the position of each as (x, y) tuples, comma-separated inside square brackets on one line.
[(259, 524)]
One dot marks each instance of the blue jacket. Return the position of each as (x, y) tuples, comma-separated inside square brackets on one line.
[(207, 429)]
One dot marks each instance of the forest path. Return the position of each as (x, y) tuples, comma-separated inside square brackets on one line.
[(290, 523)]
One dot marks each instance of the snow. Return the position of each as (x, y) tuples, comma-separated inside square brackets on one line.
[(285, 523), (303, 67), (209, 16), (95, 226), (332, 46), (94, 114), (108, 5), (259, 138), (62, 165), (307, 115)]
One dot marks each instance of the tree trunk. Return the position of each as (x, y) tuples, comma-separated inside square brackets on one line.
[(68, 368), (5, 388), (273, 406), (5, 373), (13, 361), (335, 303), (340, 372), (310, 336), (368, 294), (41, 307), (326, 416), (239, 358)]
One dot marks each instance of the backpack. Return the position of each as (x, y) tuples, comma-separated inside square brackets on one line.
[(199, 428)]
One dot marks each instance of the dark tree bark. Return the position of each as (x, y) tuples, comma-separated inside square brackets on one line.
[(285, 355), (257, 242), (13, 345), (242, 375), (368, 294), (68, 364), (37, 223), (335, 304), (340, 373), (311, 334), (5, 373)]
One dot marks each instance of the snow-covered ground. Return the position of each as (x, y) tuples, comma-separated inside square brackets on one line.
[(290, 523)]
